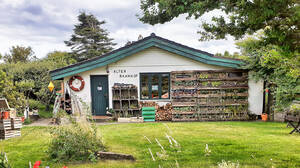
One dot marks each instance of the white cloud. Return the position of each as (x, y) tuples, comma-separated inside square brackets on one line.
[(44, 25)]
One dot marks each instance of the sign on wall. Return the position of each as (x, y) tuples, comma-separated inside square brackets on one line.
[(124, 74)]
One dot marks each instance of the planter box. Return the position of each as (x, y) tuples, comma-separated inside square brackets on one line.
[(5, 124), (16, 123)]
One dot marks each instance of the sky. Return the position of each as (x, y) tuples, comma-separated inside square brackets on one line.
[(46, 24)]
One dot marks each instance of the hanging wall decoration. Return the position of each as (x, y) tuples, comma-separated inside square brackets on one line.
[(76, 83)]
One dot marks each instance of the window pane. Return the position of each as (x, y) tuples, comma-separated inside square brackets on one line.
[(164, 86), (144, 85), (154, 86)]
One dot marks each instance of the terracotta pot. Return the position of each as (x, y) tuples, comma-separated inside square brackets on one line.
[(264, 117), (6, 115)]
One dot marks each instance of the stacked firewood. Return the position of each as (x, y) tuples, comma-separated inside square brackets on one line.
[(149, 104), (163, 113)]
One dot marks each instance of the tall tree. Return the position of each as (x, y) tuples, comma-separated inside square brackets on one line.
[(89, 38), (280, 18), (19, 54), (279, 68)]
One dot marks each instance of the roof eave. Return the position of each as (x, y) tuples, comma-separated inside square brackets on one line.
[(150, 41)]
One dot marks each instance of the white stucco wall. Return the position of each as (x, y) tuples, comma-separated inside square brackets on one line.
[(150, 60), (85, 93)]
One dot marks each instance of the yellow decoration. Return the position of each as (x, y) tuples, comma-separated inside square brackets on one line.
[(50, 86)]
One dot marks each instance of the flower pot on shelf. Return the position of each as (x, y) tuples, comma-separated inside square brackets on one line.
[(264, 117), (6, 115)]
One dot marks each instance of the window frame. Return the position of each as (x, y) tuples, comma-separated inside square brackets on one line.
[(150, 74)]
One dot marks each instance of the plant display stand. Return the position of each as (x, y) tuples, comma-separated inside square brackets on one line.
[(125, 100), (209, 95)]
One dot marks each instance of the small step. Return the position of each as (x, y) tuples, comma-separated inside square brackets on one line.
[(102, 118)]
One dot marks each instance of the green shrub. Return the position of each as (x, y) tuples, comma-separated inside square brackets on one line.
[(34, 104), (27, 121), (77, 141)]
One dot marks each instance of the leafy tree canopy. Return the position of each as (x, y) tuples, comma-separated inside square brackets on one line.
[(89, 38), (10, 92), (280, 18), (30, 79), (270, 62), (60, 59), (235, 55), (19, 54)]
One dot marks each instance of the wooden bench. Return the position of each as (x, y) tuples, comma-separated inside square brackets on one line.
[(291, 119)]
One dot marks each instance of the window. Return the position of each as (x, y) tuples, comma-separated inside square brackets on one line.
[(155, 86)]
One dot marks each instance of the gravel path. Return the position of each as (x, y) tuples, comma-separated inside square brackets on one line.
[(41, 122)]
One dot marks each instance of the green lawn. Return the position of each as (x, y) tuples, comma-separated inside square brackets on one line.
[(252, 144)]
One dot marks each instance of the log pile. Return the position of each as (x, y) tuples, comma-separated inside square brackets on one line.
[(163, 113), (149, 104)]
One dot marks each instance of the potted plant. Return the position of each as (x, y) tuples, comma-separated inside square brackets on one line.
[(264, 117)]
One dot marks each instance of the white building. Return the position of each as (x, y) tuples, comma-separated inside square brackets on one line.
[(148, 65)]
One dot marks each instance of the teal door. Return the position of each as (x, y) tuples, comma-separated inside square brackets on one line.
[(99, 92)]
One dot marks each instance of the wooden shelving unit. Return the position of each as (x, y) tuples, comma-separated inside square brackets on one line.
[(209, 95), (125, 100)]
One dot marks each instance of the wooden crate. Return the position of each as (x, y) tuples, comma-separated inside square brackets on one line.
[(6, 134), (17, 132), (16, 123), (5, 124)]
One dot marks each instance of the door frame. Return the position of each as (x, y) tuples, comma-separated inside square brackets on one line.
[(104, 75)]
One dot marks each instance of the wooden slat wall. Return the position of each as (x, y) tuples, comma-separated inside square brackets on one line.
[(10, 128), (219, 95)]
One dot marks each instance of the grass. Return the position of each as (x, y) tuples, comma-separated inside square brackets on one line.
[(43, 113), (252, 144)]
